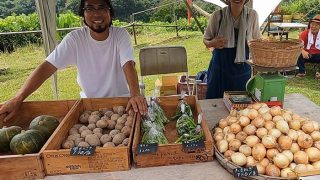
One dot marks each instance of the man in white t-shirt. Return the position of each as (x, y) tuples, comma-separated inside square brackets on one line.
[(102, 54)]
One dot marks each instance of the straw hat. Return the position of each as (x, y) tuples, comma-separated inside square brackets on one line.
[(316, 19)]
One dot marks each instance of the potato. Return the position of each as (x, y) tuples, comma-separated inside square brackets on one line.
[(93, 119), (125, 115), (98, 134), (108, 114), (104, 118), (84, 118), (91, 126), (77, 126), (121, 120), (109, 144), (120, 110), (131, 113), (119, 126), (115, 117), (125, 141), (97, 130), (118, 138), (78, 140), (114, 132), (83, 128), (67, 144), (96, 113), (93, 140), (85, 133), (111, 124), (115, 109), (106, 131), (126, 130), (73, 137), (73, 131), (103, 110), (105, 138), (83, 144), (102, 124), (87, 112), (129, 121), (120, 145)]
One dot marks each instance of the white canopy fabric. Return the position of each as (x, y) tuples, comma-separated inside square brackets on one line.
[(47, 14), (264, 8)]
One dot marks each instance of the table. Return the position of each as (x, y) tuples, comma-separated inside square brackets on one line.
[(282, 26), (214, 110)]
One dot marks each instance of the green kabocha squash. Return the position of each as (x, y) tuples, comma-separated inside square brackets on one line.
[(6, 134), (28, 142), (44, 123)]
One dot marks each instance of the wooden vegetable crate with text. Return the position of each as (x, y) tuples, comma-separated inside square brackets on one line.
[(29, 166), (59, 161), (173, 153)]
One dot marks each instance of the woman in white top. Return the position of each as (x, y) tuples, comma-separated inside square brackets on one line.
[(228, 31)]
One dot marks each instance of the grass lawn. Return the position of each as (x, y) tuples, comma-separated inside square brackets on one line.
[(21, 63)]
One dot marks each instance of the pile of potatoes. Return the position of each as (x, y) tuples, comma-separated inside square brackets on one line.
[(103, 128)]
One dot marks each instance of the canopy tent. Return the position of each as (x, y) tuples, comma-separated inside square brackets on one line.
[(263, 9)]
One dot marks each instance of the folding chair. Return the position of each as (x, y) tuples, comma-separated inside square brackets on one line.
[(162, 60)]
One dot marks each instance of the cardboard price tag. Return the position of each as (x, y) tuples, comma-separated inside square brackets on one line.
[(244, 172), (147, 148), (193, 146), (83, 151)]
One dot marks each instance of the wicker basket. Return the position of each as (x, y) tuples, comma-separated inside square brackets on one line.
[(277, 54)]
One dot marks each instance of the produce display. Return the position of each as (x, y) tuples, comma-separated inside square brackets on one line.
[(30, 141), (102, 128), (275, 140)]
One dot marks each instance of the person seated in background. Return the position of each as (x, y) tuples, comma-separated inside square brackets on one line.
[(311, 50)]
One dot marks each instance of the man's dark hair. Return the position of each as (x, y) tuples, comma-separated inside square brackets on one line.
[(81, 8)]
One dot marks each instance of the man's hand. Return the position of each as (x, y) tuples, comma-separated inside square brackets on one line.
[(305, 54), (138, 104), (219, 42), (10, 109)]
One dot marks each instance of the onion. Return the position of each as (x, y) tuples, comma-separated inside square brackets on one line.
[(271, 153), (251, 161), (317, 144), (269, 141), (309, 167), (293, 135), (267, 116), (315, 125), (275, 133), (300, 168), (244, 121), (272, 170), (292, 166), (281, 160), (259, 152), (250, 129), (222, 146), (269, 125), (261, 169), (252, 140), (313, 154), (275, 111), (287, 116), (316, 165), (256, 106), (217, 130), (252, 114), (218, 136), (239, 159), (285, 142), (228, 154), (294, 148), (285, 171), (301, 157), (300, 132), (305, 141), (241, 136), (315, 135), (308, 127), (232, 120), (261, 132), (245, 112), (245, 149), (234, 144), (277, 118), (233, 113), (295, 125), (282, 126), (226, 129), (295, 117), (235, 128), (289, 155), (258, 122), (264, 162), (229, 136), (223, 123), (264, 110)]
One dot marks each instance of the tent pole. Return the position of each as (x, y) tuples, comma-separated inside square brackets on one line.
[(194, 17)]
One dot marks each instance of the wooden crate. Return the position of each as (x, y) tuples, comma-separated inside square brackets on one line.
[(30, 166), (173, 153), (59, 161)]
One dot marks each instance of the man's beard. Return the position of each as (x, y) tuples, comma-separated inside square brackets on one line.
[(99, 29)]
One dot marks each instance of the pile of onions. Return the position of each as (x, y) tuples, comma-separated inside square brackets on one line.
[(277, 141)]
